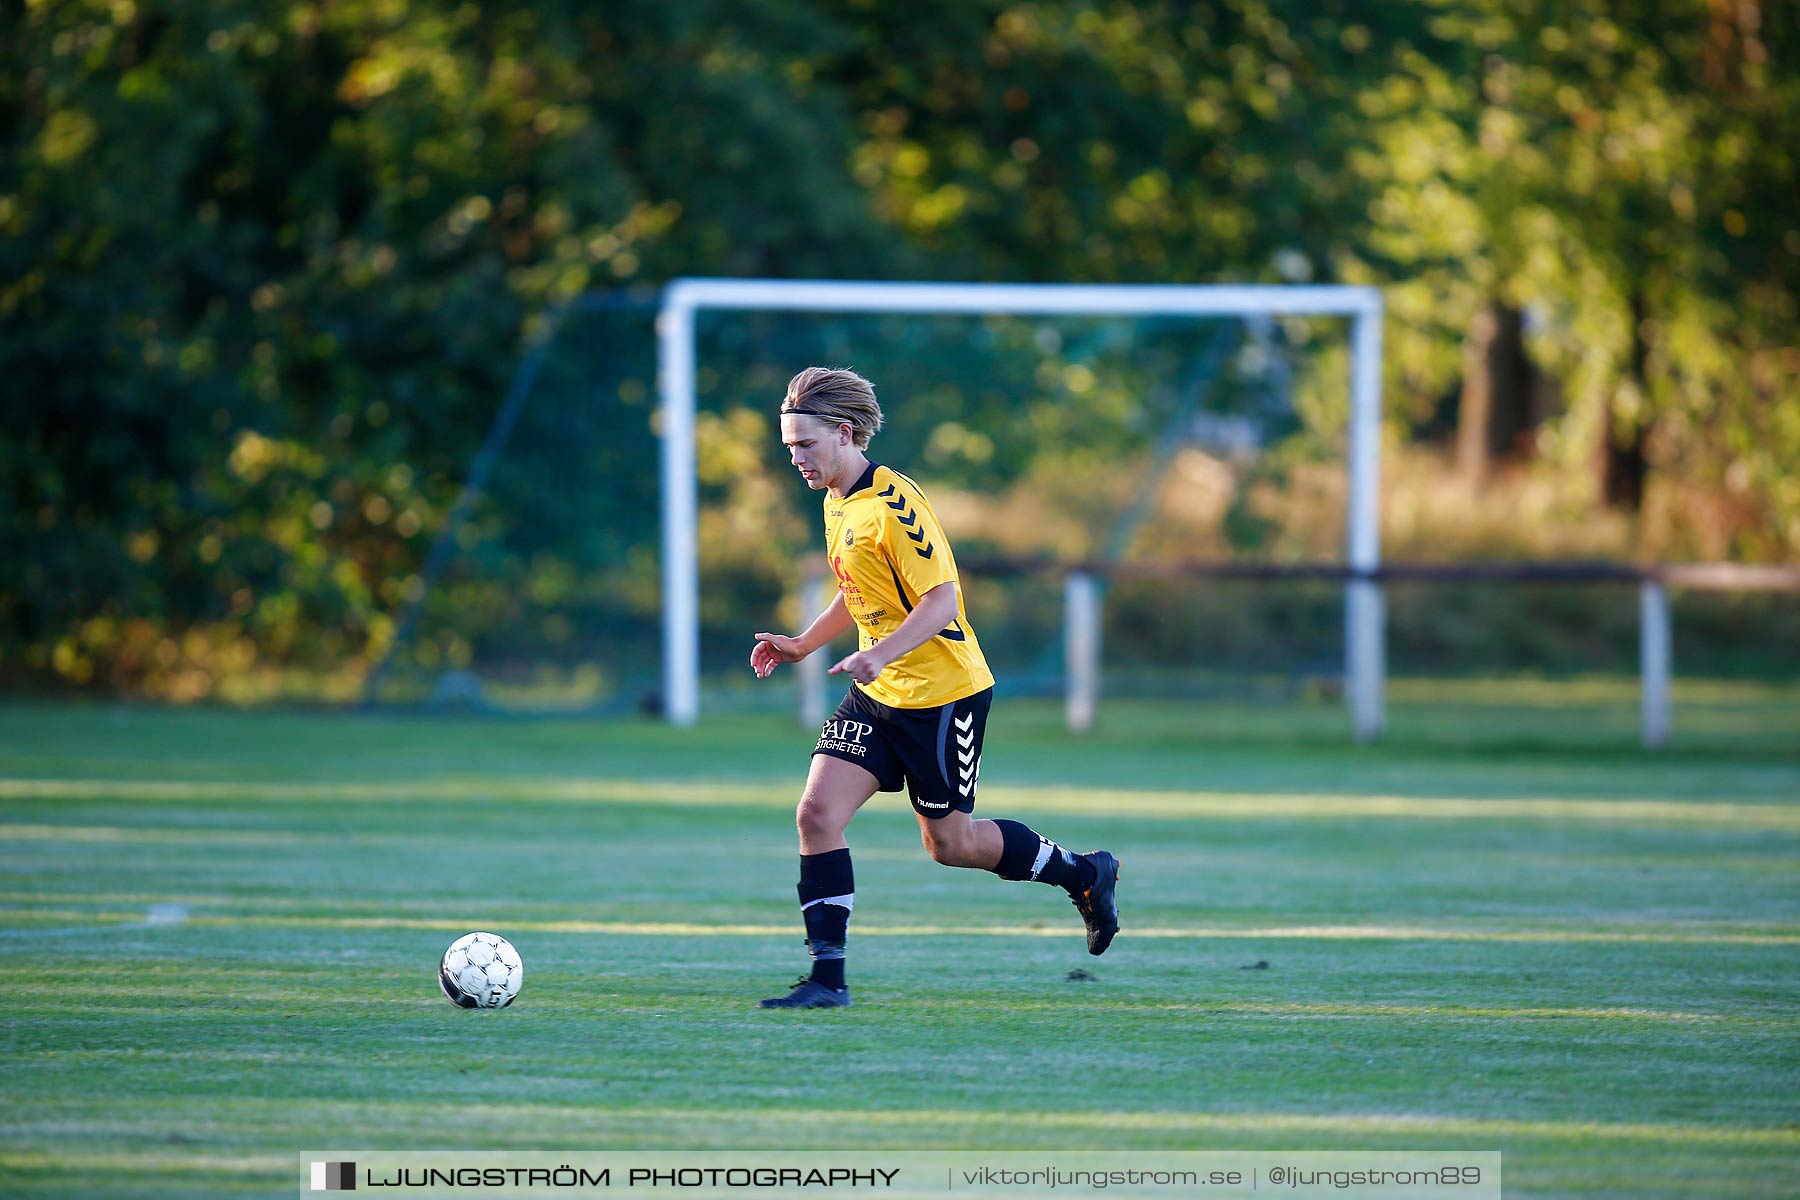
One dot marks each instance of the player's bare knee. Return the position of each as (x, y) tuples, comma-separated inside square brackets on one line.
[(951, 852), (815, 819)]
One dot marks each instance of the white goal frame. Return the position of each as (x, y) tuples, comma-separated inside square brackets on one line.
[(1364, 607)]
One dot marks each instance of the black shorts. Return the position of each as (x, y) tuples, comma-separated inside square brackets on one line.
[(934, 752)]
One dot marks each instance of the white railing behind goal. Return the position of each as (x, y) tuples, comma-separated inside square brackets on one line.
[(1364, 650)]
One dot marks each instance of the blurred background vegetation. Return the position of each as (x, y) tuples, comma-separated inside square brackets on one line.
[(268, 267)]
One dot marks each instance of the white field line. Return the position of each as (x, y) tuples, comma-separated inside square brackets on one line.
[(158, 916)]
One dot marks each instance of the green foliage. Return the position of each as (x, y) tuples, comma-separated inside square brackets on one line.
[(269, 266), (266, 267), (1624, 174)]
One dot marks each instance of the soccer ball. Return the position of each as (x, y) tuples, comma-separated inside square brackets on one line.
[(481, 970)]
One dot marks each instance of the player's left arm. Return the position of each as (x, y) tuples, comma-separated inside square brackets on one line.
[(935, 610)]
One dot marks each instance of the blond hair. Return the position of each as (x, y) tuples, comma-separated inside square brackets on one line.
[(838, 395)]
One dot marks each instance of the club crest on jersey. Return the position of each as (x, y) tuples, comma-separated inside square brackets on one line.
[(849, 537)]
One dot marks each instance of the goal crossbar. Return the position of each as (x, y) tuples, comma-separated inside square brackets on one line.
[(1364, 651)]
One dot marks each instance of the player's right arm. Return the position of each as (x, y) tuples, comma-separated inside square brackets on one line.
[(773, 649)]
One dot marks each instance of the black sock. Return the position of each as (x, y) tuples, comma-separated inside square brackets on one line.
[(1027, 854), (827, 894)]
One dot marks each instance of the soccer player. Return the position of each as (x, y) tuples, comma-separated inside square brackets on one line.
[(918, 701)]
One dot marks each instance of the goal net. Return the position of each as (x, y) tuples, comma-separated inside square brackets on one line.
[(685, 301)]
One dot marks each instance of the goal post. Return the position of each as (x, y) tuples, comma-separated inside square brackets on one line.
[(1364, 650)]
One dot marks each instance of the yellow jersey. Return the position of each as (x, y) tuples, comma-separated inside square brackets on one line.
[(887, 549)]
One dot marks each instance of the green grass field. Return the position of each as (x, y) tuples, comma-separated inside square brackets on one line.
[(1505, 928)]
